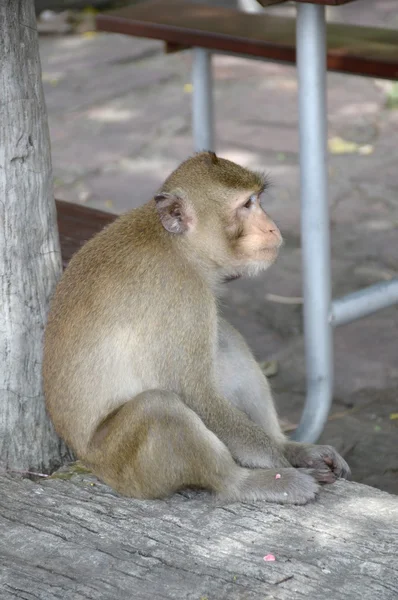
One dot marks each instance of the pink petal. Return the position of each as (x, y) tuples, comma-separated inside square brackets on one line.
[(269, 558), (278, 476)]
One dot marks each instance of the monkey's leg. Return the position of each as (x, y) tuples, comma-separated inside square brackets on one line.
[(154, 445), (244, 384)]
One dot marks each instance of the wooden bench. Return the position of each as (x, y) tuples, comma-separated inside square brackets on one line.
[(315, 46), (76, 225)]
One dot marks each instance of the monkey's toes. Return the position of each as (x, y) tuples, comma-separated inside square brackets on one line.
[(303, 487)]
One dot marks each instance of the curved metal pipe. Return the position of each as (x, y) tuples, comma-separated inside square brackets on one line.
[(364, 302), (202, 100), (311, 71)]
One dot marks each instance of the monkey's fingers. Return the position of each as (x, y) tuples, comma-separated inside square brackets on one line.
[(323, 474), (336, 463), (323, 458)]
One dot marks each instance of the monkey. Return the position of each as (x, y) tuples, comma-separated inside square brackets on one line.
[(144, 380)]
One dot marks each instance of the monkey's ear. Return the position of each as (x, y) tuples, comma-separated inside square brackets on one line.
[(212, 156), (175, 215)]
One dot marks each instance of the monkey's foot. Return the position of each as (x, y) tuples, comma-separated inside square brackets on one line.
[(284, 486), (322, 459)]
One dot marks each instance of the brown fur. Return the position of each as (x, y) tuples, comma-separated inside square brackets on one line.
[(137, 359)]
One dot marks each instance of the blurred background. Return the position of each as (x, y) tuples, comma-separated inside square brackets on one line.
[(119, 113)]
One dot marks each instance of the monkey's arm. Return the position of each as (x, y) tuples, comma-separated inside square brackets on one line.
[(246, 387), (248, 443)]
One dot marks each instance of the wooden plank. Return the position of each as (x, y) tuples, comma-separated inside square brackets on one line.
[(365, 51), (324, 2), (265, 3), (76, 225), (75, 539)]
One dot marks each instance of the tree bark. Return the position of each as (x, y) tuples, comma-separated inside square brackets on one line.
[(30, 259)]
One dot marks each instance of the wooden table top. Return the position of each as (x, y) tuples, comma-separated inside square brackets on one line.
[(368, 51), (324, 2)]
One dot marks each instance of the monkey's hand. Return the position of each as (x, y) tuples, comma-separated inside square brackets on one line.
[(324, 459)]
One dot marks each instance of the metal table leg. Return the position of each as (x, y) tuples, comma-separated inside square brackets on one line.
[(311, 69), (202, 100), (364, 302)]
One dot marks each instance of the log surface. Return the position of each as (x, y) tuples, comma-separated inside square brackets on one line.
[(75, 539)]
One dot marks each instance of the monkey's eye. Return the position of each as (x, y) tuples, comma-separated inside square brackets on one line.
[(251, 201)]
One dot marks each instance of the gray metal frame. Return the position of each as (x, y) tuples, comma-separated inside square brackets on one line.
[(315, 237), (320, 313), (202, 100)]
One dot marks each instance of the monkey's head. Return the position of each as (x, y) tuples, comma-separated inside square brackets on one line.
[(212, 207)]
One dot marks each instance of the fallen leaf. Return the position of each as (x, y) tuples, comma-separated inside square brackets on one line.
[(392, 96), (338, 145), (284, 299), (269, 367), (286, 426), (365, 150), (394, 416)]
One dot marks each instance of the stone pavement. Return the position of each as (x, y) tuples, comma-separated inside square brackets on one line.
[(119, 113)]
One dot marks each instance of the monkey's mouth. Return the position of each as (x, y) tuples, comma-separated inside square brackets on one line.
[(270, 252)]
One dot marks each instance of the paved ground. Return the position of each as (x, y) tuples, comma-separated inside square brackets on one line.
[(119, 113)]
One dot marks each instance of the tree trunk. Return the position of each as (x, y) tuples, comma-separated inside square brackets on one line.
[(30, 259)]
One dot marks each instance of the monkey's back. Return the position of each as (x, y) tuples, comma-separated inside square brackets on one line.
[(108, 332)]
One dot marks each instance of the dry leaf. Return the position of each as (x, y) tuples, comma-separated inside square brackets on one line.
[(338, 145), (365, 150), (284, 299), (287, 426), (269, 367)]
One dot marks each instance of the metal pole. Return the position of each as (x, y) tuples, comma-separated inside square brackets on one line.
[(364, 302), (202, 100), (311, 70)]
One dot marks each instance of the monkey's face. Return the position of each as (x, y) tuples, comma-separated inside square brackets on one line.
[(253, 237), (213, 206)]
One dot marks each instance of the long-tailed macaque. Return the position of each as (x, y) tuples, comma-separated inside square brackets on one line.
[(144, 380)]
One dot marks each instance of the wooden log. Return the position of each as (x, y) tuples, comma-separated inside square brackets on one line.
[(75, 539), (30, 260)]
